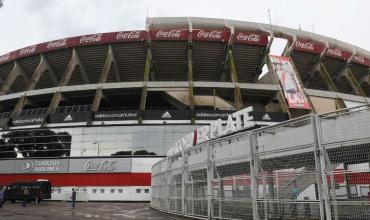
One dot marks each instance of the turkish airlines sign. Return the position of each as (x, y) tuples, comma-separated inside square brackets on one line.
[(251, 38), (41, 166), (289, 82)]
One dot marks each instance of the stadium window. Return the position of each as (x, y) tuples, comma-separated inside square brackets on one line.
[(146, 190), (120, 190), (111, 190), (101, 190), (94, 190), (138, 190), (85, 190)]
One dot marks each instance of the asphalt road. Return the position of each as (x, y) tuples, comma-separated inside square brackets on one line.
[(82, 211)]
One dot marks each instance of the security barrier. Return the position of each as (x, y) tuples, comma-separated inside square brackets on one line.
[(312, 167)]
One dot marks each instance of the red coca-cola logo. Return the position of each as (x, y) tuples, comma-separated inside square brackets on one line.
[(335, 52), (359, 59), (27, 50), (209, 34), (248, 37), (4, 58), (57, 43), (305, 45), (128, 35), (168, 34), (91, 38)]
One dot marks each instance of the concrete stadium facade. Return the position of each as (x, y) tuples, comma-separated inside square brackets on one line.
[(112, 94)]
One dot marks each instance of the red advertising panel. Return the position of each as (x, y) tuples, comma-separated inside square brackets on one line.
[(338, 53), (289, 82), (361, 60), (100, 38), (250, 38), (307, 46), (169, 34), (211, 35)]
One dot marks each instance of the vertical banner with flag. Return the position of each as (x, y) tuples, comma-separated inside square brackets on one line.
[(293, 91)]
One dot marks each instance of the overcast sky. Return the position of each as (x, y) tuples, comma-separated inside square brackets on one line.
[(27, 22)]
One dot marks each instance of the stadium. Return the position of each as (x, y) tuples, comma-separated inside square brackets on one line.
[(95, 112)]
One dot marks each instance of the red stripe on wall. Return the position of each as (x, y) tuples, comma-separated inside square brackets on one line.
[(82, 179)]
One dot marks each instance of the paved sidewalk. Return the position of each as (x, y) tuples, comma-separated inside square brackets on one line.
[(82, 211)]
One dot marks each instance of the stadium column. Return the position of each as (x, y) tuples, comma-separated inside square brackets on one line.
[(57, 97), (16, 71), (41, 68), (109, 60), (356, 86), (147, 68), (190, 70), (233, 73), (321, 69)]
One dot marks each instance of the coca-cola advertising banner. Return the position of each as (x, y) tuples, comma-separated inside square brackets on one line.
[(307, 46), (100, 165), (169, 34), (250, 38), (100, 38), (211, 35), (338, 53), (289, 82), (361, 60)]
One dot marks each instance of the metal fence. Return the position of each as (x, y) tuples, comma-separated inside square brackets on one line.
[(313, 167)]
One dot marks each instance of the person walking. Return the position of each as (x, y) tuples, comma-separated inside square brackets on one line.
[(26, 195), (73, 197), (2, 197)]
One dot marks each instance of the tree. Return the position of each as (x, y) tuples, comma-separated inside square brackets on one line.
[(39, 142)]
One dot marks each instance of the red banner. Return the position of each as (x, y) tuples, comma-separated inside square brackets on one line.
[(100, 38), (169, 34), (361, 60), (307, 46), (211, 35), (288, 79), (338, 53), (251, 38)]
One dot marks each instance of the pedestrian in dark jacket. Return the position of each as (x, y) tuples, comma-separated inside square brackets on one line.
[(2, 197), (26, 197), (73, 197)]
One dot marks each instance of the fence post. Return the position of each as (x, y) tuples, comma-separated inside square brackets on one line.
[(254, 171), (320, 163), (209, 180), (166, 185), (183, 179)]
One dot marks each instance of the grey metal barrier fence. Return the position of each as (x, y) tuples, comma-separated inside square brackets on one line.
[(312, 167)]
